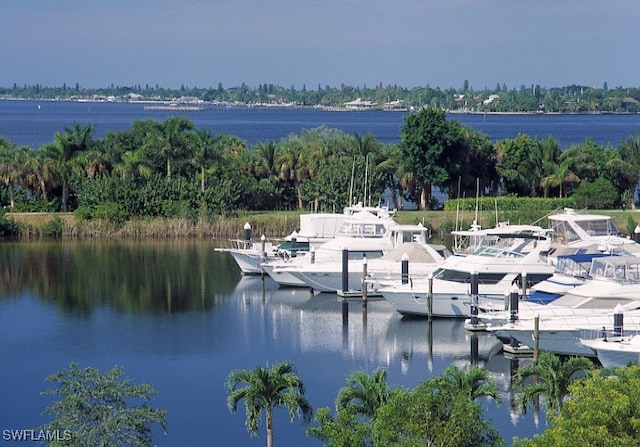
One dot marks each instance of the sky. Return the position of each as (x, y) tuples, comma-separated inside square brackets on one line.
[(311, 43)]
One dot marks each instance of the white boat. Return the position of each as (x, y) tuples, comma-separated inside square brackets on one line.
[(363, 234), (613, 288), (615, 351), (421, 258), (315, 229), (571, 230), (498, 265), (570, 271), (561, 334)]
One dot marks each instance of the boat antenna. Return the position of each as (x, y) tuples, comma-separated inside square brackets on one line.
[(353, 168), (458, 205), (366, 173), (477, 196)]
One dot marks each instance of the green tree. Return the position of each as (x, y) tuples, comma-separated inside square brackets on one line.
[(66, 155), (474, 382), (629, 151), (96, 409), (168, 141), (12, 161), (432, 148), (357, 405), (364, 394), (549, 378), (265, 389), (598, 194), (524, 163), (345, 429), (560, 176), (433, 415), (603, 411)]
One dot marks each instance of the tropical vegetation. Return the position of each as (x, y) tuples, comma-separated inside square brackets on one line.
[(171, 169), (587, 406), (96, 409)]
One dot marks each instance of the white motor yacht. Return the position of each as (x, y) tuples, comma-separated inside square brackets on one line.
[(613, 288), (498, 263)]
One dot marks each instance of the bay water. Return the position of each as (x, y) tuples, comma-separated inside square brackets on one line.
[(180, 316), (34, 123)]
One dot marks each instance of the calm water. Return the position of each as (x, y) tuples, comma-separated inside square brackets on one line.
[(180, 316), (35, 123)]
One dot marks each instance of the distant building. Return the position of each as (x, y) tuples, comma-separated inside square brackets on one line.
[(359, 104), (490, 99)]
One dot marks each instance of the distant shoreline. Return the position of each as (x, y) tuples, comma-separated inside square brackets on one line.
[(204, 105)]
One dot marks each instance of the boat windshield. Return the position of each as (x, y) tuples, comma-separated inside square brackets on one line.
[(600, 227), (616, 269), (507, 247), (363, 229), (573, 266)]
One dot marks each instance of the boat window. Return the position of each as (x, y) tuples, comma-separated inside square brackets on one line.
[(633, 272), (465, 277), (597, 268), (618, 272), (600, 227), (608, 271)]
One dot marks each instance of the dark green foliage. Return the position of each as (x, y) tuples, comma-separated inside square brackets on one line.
[(603, 411), (95, 409), (170, 169), (432, 415), (549, 378), (440, 411), (52, 228), (598, 194), (433, 150)]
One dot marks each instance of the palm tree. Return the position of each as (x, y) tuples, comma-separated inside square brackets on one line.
[(364, 394), (267, 156), (167, 139), (65, 153), (474, 382), (560, 176), (292, 167), (551, 378), (629, 151), (12, 159), (265, 389)]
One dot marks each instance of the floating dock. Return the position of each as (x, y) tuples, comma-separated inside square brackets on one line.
[(356, 295)]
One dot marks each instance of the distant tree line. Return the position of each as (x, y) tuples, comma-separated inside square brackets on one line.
[(173, 169), (523, 98)]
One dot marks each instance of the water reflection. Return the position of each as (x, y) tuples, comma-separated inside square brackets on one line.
[(372, 331), (155, 277)]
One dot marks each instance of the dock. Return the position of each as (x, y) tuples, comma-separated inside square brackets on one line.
[(357, 296)]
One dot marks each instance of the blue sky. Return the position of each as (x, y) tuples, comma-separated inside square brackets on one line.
[(200, 43)]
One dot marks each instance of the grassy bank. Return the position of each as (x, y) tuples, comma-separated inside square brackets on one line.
[(273, 224)]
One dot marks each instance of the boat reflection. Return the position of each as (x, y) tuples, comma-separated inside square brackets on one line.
[(371, 331)]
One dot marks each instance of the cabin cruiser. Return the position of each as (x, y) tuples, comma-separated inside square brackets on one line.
[(502, 260), (571, 231), (334, 276), (363, 235), (315, 229), (615, 350), (613, 288)]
